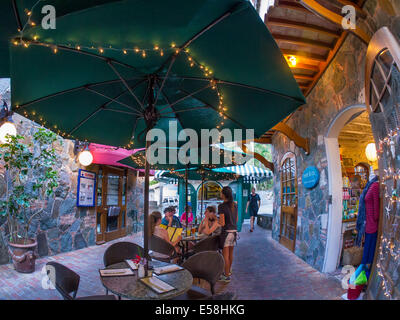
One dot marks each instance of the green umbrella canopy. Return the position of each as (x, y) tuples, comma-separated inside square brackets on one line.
[(200, 174), (208, 64), (17, 15), (223, 159)]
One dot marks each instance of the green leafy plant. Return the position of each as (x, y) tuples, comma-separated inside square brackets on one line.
[(30, 180)]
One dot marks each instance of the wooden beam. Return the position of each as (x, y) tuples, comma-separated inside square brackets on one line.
[(326, 64), (303, 41), (360, 12), (298, 140), (258, 156), (262, 140), (292, 6), (303, 77), (323, 12), (310, 56), (304, 66), (301, 26)]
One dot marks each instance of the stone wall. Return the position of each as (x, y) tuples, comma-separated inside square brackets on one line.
[(63, 226), (341, 86)]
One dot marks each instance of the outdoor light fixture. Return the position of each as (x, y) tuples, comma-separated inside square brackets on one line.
[(85, 157), (292, 60), (7, 126), (370, 152)]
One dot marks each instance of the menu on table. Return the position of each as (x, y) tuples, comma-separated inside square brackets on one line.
[(116, 272), (157, 285), (167, 269)]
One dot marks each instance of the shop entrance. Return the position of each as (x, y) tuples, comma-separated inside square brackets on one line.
[(111, 204), (349, 171)]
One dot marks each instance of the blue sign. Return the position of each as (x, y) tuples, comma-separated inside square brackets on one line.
[(310, 177)]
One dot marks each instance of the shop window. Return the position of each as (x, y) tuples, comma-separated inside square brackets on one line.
[(383, 99)]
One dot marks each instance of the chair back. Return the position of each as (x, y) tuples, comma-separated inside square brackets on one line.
[(121, 251), (64, 279), (159, 245), (208, 244), (206, 265)]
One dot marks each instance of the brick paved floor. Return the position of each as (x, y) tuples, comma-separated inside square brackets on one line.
[(262, 269)]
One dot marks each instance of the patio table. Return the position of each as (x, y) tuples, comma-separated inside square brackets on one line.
[(131, 288), (192, 238)]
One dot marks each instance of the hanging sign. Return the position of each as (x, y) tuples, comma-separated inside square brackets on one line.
[(310, 177), (86, 188)]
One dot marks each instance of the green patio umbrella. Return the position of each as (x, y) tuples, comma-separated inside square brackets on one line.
[(18, 15), (111, 72)]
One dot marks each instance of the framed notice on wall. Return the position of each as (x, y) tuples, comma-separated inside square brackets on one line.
[(86, 188)]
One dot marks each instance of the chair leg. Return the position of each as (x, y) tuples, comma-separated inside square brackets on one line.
[(106, 292), (119, 297)]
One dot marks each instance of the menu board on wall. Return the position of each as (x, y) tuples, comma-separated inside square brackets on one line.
[(86, 188)]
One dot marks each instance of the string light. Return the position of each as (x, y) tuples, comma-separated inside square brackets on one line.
[(387, 248)]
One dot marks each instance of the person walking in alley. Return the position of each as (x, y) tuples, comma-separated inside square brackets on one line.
[(254, 202), (228, 218)]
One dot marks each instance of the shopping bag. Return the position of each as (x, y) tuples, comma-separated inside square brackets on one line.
[(355, 275), (173, 233), (361, 279)]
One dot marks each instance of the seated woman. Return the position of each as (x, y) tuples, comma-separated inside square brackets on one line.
[(155, 229), (190, 216), (209, 225)]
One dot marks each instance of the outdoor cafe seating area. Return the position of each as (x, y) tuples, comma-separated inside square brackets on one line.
[(170, 274)]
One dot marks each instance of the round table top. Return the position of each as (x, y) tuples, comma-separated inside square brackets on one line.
[(196, 237), (131, 288)]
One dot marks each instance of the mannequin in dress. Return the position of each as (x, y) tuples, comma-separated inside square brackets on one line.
[(372, 209)]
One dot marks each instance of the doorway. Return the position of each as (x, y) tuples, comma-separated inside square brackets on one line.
[(288, 221), (111, 204)]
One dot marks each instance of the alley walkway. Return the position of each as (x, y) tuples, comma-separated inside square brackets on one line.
[(262, 270)]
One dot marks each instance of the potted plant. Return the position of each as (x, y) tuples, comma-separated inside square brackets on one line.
[(30, 180)]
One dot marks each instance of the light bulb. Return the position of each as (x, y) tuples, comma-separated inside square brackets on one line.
[(293, 61), (7, 128), (370, 152), (85, 158)]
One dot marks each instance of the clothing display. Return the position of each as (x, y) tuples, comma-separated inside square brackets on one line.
[(369, 247)]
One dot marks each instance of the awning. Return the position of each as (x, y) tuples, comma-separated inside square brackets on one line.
[(249, 171)]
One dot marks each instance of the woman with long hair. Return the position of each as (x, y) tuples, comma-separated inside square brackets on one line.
[(156, 230), (228, 218)]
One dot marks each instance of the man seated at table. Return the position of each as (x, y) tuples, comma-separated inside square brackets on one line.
[(209, 225), (170, 219)]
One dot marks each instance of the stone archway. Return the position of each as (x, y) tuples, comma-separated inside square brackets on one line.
[(332, 249)]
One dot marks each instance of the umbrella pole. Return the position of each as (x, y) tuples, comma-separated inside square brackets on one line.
[(146, 209), (202, 196), (186, 200), (146, 180)]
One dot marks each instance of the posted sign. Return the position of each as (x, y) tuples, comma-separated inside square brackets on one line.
[(86, 188), (310, 177)]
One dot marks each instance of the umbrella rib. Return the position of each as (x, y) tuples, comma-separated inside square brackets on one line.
[(187, 96), (66, 48), (214, 108), (166, 77), (114, 100), (168, 101), (94, 113), (185, 110), (120, 111), (240, 85), (201, 32), (68, 91), (17, 17), (125, 83)]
